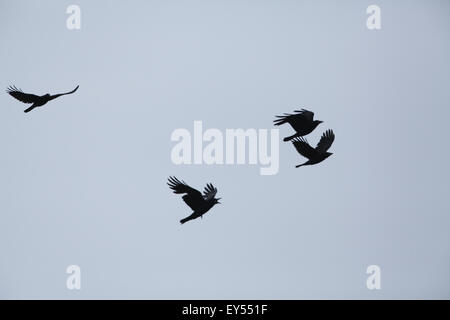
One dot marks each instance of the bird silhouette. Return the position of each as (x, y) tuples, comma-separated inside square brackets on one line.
[(198, 202), (301, 121), (314, 155), (37, 101)]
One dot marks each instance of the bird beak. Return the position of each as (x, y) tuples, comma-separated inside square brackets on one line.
[(218, 201)]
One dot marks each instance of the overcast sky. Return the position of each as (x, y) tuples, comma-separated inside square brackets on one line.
[(83, 179)]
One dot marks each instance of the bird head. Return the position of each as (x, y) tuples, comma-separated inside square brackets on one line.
[(317, 122)]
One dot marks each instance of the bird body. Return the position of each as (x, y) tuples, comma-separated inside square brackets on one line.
[(35, 100), (314, 155), (200, 203), (302, 121)]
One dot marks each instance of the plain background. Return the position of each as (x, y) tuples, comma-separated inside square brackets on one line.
[(83, 179)]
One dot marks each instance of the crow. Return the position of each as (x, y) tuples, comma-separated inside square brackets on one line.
[(314, 155), (301, 121), (194, 199), (37, 101)]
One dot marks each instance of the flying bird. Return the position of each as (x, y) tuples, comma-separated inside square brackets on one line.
[(198, 202), (302, 121), (37, 101), (314, 155)]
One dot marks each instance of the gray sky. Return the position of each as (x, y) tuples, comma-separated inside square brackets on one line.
[(83, 179)]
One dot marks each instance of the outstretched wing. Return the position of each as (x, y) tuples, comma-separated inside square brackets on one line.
[(325, 141), (63, 94), (309, 115), (303, 147), (22, 96), (193, 197), (300, 118), (209, 192)]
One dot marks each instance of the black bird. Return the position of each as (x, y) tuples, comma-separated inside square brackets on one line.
[(193, 198), (314, 155), (301, 121), (37, 101)]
